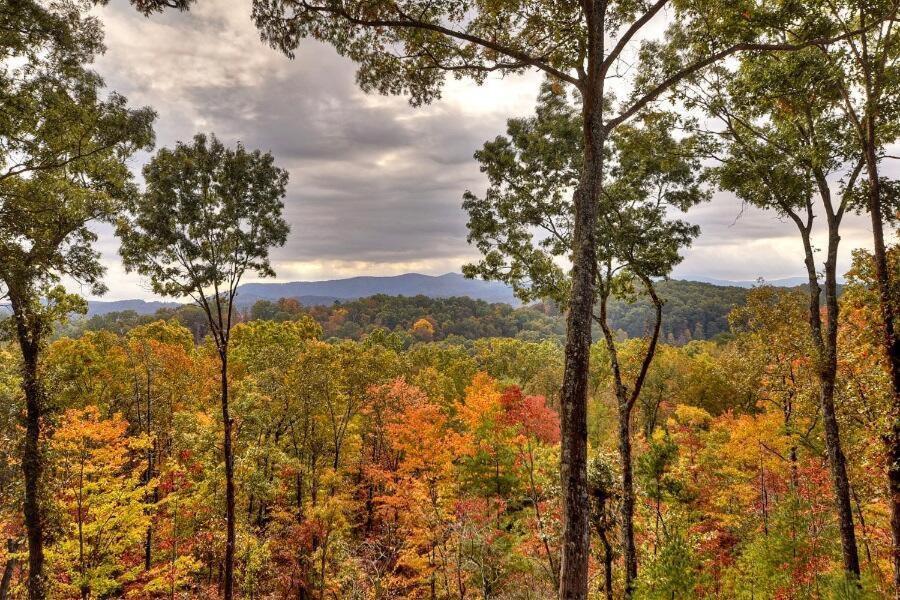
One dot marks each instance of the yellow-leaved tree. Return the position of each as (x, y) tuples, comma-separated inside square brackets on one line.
[(100, 499)]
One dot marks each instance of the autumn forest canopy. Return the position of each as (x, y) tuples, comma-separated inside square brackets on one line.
[(620, 435)]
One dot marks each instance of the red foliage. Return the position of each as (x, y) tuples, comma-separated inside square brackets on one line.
[(532, 414)]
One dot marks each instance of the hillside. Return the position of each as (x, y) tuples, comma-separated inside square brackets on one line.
[(449, 285), (693, 310), (409, 284)]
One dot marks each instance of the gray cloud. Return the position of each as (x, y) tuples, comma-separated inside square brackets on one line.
[(375, 185)]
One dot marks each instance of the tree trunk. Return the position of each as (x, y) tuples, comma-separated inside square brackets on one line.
[(833, 441), (576, 541), (626, 402), (32, 466), (6, 581), (229, 480), (573, 460), (890, 341), (32, 461), (607, 566), (148, 476), (825, 341), (629, 551), (838, 465)]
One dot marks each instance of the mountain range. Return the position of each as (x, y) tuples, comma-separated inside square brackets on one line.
[(311, 293), (747, 283)]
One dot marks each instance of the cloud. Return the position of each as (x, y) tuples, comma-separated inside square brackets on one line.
[(375, 184)]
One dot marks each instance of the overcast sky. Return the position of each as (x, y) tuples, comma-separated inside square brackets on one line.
[(375, 185)]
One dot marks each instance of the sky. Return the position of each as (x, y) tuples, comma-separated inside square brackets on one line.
[(375, 184)]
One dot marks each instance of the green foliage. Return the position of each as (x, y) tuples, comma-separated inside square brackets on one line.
[(209, 215), (784, 130), (526, 210), (63, 147), (693, 311), (64, 150), (523, 224), (654, 468), (672, 573), (781, 557), (409, 48)]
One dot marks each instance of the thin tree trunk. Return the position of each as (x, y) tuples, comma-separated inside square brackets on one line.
[(629, 550), (626, 402), (838, 465), (824, 338), (11, 547), (551, 563), (825, 341), (229, 480), (32, 466), (863, 527), (148, 539), (832, 435), (607, 566)]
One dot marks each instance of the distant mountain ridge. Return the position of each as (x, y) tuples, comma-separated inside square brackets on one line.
[(409, 284), (311, 293), (141, 307), (746, 283), (323, 293)]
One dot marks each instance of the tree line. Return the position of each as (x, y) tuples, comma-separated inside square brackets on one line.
[(692, 311)]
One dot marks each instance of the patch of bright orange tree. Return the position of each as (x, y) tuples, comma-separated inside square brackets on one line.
[(402, 468)]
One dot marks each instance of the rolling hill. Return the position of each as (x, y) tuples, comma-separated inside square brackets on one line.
[(326, 293)]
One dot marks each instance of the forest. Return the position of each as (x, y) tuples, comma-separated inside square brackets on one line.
[(693, 311), (623, 435)]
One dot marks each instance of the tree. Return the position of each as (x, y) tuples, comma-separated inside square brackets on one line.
[(868, 83), (423, 329), (786, 142), (210, 214), (767, 335), (103, 498), (64, 149), (151, 349), (409, 47), (602, 479), (649, 174)]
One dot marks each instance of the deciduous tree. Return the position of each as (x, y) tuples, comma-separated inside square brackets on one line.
[(649, 173), (209, 216), (63, 148), (787, 142)]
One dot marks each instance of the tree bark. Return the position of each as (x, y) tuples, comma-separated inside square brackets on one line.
[(28, 334), (576, 545), (148, 476), (229, 480), (607, 566), (825, 341), (839, 468), (32, 466), (626, 402), (573, 467), (629, 550)]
